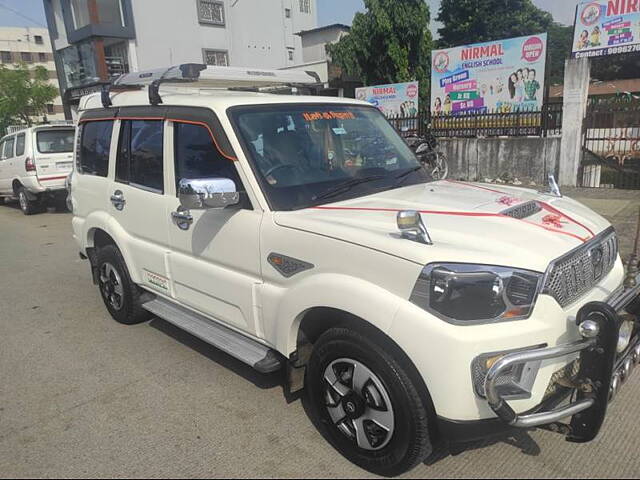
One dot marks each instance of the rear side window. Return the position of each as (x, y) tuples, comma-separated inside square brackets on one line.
[(20, 144), (2, 150), (55, 141), (8, 147), (95, 145), (140, 161)]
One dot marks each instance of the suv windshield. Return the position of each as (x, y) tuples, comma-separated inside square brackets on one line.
[(55, 141), (307, 155)]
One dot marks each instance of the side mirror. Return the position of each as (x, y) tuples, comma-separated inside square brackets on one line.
[(202, 194)]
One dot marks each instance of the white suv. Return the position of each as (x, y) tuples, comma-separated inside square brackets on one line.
[(34, 165), (302, 233)]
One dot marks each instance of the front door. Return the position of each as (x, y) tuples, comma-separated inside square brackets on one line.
[(215, 264)]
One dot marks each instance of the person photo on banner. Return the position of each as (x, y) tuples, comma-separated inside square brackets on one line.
[(447, 105), (583, 41), (513, 79), (437, 107), (531, 86), (595, 37), (519, 86)]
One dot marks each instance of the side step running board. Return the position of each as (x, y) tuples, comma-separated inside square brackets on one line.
[(254, 354)]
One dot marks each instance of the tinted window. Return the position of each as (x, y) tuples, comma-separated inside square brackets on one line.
[(1, 150), (196, 156), (20, 144), (140, 154), (55, 141), (8, 147), (94, 148)]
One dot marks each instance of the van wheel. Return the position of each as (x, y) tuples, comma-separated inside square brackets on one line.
[(365, 404), (120, 295), (28, 207)]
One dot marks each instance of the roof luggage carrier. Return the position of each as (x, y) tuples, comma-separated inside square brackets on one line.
[(210, 77)]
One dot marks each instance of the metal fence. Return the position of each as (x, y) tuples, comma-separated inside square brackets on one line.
[(611, 144), (546, 122)]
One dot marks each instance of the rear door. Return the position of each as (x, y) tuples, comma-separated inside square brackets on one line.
[(7, 164), (53, 155)]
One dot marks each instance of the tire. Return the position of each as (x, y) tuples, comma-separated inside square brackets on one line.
[(441, 170), (60, 203), (387, 452), (28, 207), (120, 295)]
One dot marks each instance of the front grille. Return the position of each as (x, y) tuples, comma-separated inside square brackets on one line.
[(523, 210), (572, 276)]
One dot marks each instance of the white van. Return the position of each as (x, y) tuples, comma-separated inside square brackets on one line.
[(34, 164)]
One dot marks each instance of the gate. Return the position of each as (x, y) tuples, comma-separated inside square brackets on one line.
[(611, 144)]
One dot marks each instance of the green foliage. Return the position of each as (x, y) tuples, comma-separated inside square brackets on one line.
[(560, 41), (24, 93), (389, 43), (472, 21)]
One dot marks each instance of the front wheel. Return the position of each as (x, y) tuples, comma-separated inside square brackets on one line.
[(365, 403)]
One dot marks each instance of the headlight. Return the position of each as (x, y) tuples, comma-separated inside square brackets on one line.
[(460, 292)]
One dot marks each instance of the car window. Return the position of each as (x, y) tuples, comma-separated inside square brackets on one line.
[(8, 147), (196, 156), (55, 141), (140, 154), (95, 145), (20, 144), (2, 150)]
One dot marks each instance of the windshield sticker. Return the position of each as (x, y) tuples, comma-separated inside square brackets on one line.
[(339, 131), (313, 116)]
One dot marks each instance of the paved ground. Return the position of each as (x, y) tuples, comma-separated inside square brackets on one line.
[(81, 396)]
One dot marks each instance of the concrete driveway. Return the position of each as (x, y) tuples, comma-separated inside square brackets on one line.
[(81, 396)]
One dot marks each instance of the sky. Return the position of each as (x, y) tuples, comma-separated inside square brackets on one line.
[(30, 12)]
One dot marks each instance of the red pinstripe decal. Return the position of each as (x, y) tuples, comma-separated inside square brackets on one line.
[(459, 214), (47, 179)]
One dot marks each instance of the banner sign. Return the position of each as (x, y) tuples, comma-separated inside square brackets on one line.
[(397, 100), (502, 76), (606, 27)]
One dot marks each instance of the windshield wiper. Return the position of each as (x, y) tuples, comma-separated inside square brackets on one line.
[(346, 186), (401, 178)]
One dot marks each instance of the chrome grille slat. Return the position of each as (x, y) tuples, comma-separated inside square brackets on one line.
[(572, 276)]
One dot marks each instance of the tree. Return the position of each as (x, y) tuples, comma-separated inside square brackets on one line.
[(24, 93), (389, 43), (560, 41), (473, 21)]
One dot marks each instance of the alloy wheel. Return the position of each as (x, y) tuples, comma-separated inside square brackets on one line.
[(111, 286), (358, 404)]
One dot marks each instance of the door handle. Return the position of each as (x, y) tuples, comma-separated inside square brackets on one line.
[(182, 218), (118, 200)]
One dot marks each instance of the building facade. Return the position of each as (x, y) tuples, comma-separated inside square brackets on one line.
[(31, 47), (95, 40)]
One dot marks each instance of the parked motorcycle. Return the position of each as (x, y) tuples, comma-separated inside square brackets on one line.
[(426, 149)]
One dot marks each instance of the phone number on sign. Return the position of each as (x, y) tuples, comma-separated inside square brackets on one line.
[(608, 51)]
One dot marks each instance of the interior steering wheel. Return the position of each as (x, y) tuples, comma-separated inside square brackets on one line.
[(278, 167)]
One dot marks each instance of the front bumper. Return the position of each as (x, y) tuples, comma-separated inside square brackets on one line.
[(602, 371)]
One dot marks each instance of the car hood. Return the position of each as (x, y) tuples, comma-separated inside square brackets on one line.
[(468, 222)]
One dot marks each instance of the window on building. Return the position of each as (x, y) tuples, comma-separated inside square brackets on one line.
[(216, 57), (95, 146), (20, 139), (42, 57), (196, 156), (140, 154), (305, 6), (5, 57), (50, 109), (291, 55), (107, 12), (287, 12), (26, 57), (38, 39), (211, 11)]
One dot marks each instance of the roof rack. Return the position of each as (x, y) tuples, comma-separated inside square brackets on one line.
[(206, 76)]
